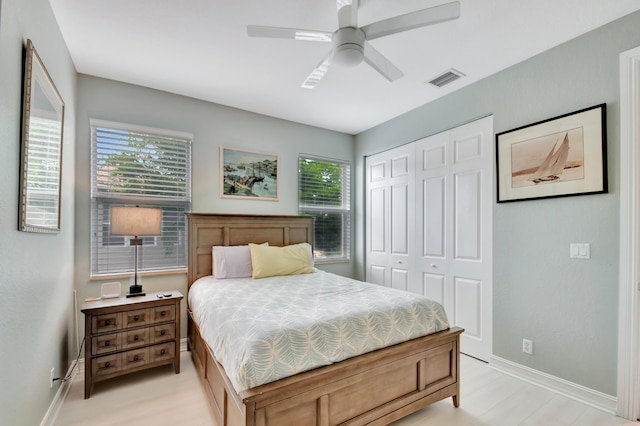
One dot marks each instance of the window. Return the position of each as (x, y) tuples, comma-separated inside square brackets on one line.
[(325, 193), (132, 165)]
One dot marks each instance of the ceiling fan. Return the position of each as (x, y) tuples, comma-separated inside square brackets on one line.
[(351, 43)]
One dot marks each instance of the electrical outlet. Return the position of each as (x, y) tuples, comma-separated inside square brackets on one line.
[(52, 375), (527, 346)]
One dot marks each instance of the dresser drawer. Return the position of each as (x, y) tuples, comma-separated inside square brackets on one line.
[(136, 318), (135, 358), (162, 333), (163, 351), (135, 338), (105, 365), (163, 313), (106, 343), (106, 322)]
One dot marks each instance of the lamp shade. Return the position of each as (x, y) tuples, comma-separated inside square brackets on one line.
[(136, 221)]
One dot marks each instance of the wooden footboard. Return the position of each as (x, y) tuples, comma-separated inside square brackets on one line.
[(375, 388)]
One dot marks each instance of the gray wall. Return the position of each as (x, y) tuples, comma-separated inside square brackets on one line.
[(36, 270), (212, 126), (567, 307)]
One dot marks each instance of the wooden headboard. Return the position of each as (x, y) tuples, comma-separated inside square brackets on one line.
[(208, 230)]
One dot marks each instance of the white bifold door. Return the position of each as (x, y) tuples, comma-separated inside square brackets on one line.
[(390, 217), (429, 225)]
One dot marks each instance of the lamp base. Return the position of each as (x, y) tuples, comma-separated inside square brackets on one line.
[(135, 290)]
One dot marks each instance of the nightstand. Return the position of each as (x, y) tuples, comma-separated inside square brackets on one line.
[(124, 335)]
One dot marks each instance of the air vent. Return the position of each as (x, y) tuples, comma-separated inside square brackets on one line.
[(447, 77)]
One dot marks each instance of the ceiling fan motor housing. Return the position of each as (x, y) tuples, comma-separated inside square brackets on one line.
[(348, 46)]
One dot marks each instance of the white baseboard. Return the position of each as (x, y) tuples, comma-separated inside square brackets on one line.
[(51, 415), (593, 398)]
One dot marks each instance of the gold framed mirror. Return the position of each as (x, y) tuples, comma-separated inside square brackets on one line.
[(41, 167)]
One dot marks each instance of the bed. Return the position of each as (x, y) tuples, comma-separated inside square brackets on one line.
[(377, 387)]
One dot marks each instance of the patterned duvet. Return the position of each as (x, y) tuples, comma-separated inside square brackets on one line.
[(267, 329)]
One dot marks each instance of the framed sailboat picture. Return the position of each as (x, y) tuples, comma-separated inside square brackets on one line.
[(248, 174), (558, 157)]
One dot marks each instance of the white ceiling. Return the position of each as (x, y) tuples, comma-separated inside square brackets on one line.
[(199, 48)]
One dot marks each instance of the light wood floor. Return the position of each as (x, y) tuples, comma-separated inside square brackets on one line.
[(160, 398)]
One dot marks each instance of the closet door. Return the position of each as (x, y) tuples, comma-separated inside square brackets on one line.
[(390, 215), (454, 174), (429, 225), (434, 221)]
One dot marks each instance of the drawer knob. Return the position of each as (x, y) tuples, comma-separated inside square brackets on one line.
[(136, 338), (163, 332), (162, 313), (107, 322), (107, 364), (135, 358), (107, 343), (162, 352), (136, 318)]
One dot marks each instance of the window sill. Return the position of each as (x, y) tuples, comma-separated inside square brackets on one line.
[(330, 261), (140, 274)]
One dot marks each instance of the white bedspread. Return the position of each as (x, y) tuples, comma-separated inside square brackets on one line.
[(267, 329)]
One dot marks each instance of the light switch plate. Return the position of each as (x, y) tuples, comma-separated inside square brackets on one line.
[(580, 251)]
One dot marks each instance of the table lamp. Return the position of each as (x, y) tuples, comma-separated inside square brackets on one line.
[(138, 222)]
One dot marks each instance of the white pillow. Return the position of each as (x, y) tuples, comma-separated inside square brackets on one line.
[(307, 247), (232, 261)]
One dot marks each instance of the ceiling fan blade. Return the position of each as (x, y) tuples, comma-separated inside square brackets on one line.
[(318, 72), (409, 21), (347, 13), (288, 33), (380, 63)]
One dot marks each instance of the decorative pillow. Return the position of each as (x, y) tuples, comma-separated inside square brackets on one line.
[(274, 261), (231, 261)]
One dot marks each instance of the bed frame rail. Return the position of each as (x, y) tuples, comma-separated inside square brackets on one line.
[(375, 388)]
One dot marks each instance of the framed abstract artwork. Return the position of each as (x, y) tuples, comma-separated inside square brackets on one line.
[(558, 157)]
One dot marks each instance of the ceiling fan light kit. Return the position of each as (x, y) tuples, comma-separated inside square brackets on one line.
[(350, 42), (348, 46)]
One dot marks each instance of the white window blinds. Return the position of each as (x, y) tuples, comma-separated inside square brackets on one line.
[(132, 165), (43, 172), (325, 193)]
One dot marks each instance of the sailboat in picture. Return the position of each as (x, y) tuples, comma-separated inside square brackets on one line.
[(554, 164)]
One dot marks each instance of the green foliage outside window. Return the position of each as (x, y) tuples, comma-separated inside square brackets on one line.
[(324, 193)]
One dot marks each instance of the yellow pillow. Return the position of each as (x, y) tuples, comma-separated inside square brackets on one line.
[(273, 261)]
